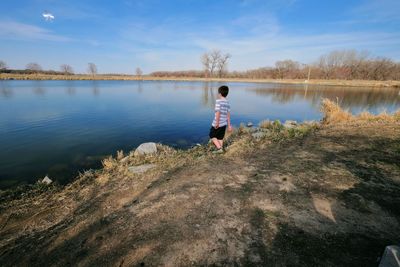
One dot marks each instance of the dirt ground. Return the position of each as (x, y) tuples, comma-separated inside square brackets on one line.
[(330, 198)]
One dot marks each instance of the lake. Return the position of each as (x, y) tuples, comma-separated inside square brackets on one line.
[(58, 128)]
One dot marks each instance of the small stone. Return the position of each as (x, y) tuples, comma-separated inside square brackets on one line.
[(146, 149), (390, 257), (265, 130), (312, 122), (258, 135), (251, 129), (249, 124), (46, 180), (198, 144), (124, 160), (141, 168), (290, 124)]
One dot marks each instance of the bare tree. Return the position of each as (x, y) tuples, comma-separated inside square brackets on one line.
[(35, 67), (206, 61), (214, 61), (215, 56), (67, 69), (222, 64), (92, 69), (287, 68), (3, 65), (139, 72)]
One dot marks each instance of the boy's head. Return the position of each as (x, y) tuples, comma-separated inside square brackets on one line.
[(223, 90)]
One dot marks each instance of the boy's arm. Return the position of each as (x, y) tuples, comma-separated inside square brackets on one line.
[(217, 115), (228, 116)]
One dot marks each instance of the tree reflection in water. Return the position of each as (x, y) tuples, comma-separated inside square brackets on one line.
[(349, 97)]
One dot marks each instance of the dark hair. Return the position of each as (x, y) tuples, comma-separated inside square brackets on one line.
[(223, 90)]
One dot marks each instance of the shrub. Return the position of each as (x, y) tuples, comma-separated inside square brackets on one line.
[(333, 113)]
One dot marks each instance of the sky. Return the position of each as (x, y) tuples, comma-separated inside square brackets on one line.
[(119, 36)]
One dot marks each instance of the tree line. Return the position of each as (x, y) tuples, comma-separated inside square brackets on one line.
[(341, 64), (35, 68)]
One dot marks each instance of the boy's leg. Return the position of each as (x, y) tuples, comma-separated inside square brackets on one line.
[(216, 143), (221, 143)]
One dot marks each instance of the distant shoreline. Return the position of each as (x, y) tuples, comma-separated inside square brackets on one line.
[(105, 77)]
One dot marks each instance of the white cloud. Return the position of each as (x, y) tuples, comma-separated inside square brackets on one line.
[(22, 31), (171, 46)]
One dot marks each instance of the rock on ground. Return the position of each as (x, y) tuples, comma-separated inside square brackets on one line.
[(46, 180), (146, 148), (258, 135), (290, 124), (141, 168), (391, 257), (251, 129), (312, 122)]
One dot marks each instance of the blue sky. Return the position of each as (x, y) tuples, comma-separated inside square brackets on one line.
[(171, 35)]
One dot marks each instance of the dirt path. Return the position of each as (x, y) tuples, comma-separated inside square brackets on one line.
[(331, 198)]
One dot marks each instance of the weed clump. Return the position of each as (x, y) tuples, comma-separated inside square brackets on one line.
[(120, 154), (333, 113), (109, 163), (265, 124), (277, 126)]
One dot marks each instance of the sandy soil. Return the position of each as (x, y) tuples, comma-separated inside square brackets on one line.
[(330, 198)]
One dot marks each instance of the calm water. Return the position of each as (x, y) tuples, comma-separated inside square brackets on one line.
[(61, 127)]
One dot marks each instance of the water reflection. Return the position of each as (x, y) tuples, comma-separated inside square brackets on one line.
[(5, 90), (95, 88), (38, 88), (70, 88), (139, 87), (348, 97), (208, 95), (159, 85)]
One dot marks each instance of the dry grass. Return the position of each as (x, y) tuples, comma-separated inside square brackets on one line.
[(355, 83), (109, 163), (333, 113), (120, 154), (265, 124), (396, 115)]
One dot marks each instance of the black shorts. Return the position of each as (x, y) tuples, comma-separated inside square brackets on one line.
[(217, 133)]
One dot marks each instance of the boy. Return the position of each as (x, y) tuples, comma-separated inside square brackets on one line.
[(222, 119)]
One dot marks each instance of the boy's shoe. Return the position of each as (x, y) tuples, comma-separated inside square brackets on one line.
[(218, 151)]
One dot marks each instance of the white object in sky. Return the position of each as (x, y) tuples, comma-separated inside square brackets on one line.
[(48, 16)]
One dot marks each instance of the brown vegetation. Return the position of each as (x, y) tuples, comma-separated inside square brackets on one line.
[(343, 65), (340, 65), (333, 113), (66, 69), (164, 76), (92, 69), (35, 67)]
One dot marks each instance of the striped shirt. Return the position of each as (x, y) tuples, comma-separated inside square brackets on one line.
[(221, 105)]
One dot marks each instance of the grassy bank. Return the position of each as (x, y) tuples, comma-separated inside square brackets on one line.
[(321, 194), (355, 83)]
